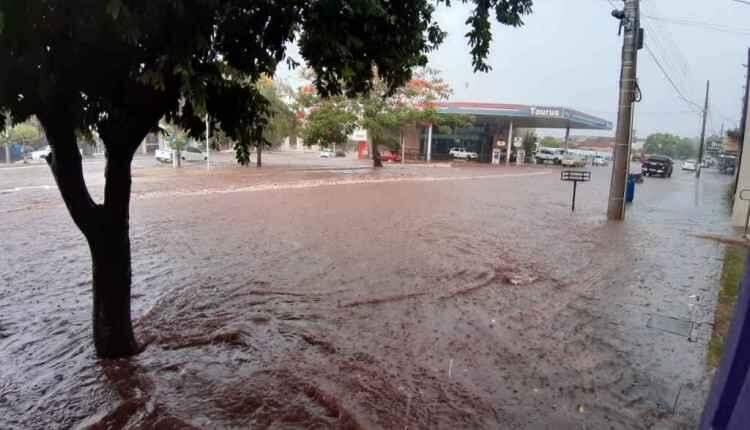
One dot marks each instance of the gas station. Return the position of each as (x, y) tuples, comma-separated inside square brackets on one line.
[(496, 131)]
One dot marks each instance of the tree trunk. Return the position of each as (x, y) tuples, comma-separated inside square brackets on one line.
[(106, 228), (110, 256), (109, 242), (258, 162), (376, 161), (7, 152)]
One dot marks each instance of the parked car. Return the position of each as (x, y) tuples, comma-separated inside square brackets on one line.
[(570, 160), (340, 153), (598, 160), (390, 156), (727, 164), (549, 155), (463, 154), (690, 165), (186, 154), (41, 154), (327, 153), (657, 165)]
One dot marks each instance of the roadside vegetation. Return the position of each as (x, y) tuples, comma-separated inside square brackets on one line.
[(731, 274), (671, 146)]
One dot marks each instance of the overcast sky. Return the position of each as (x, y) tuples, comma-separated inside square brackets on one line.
[(568, 54)]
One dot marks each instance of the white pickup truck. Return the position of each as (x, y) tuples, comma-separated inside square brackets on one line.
[(187, 154), (549, 155)]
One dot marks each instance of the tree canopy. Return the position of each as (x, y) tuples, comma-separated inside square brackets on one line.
[(550, 142), (104, 64), (329, 122), (670, 146), (21, 133)]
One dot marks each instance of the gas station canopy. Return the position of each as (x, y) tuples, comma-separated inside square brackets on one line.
[(526, 116)]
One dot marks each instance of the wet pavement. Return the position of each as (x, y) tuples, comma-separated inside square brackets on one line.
[(322, 294)]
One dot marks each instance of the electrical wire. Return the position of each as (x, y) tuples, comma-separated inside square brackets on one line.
[(669, 61), (671, 81), (662, 34), (740, 31), (732, 121)]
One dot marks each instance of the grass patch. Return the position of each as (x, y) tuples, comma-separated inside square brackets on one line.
[(731, 274)]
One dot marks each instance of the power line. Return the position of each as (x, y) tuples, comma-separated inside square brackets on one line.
[(670, 61), (670, 48), (669, 79), (733, 121), (742, 31)]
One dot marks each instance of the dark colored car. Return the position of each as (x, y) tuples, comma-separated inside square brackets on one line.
[(657, 165), (727, 164)]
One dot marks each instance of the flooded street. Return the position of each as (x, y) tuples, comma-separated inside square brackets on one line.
[(323, 294)]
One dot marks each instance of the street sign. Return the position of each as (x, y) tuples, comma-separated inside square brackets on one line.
[(575, 176)]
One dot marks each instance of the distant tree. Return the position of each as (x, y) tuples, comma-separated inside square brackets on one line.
[(550, 142), (529, 143), (281, 120), (670, 145), (23, 133), (118, 67), (329, 123), (384, 111), (385, 114)]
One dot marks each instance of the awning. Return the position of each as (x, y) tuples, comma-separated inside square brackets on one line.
[(526, 116)]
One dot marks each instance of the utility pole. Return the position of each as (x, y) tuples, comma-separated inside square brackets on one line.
[(208, 147), (703, 133), (630, 22), (743, 122), (6, 132)]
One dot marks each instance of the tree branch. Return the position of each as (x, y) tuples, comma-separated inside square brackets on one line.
[(65, 162)]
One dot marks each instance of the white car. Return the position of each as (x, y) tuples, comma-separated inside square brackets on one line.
[(463, 154), (42, 154), (599, 161), (327, 153), (572, 161), (187, 154), (551, 155), (689, 165)]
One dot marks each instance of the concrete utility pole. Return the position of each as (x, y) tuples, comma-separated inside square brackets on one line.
[(703, 133), (208, 147), (508, 145), (6, 132), (630, 21), (428, 150), (743, 122)]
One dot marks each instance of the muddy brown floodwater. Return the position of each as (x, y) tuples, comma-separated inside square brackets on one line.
[(337, 297)]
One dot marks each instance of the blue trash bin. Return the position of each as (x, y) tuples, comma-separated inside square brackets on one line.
[(630, 188)]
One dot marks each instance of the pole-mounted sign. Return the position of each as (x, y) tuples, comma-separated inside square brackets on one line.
[(575, 176)]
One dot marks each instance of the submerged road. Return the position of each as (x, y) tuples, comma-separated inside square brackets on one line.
[(318, 293)]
